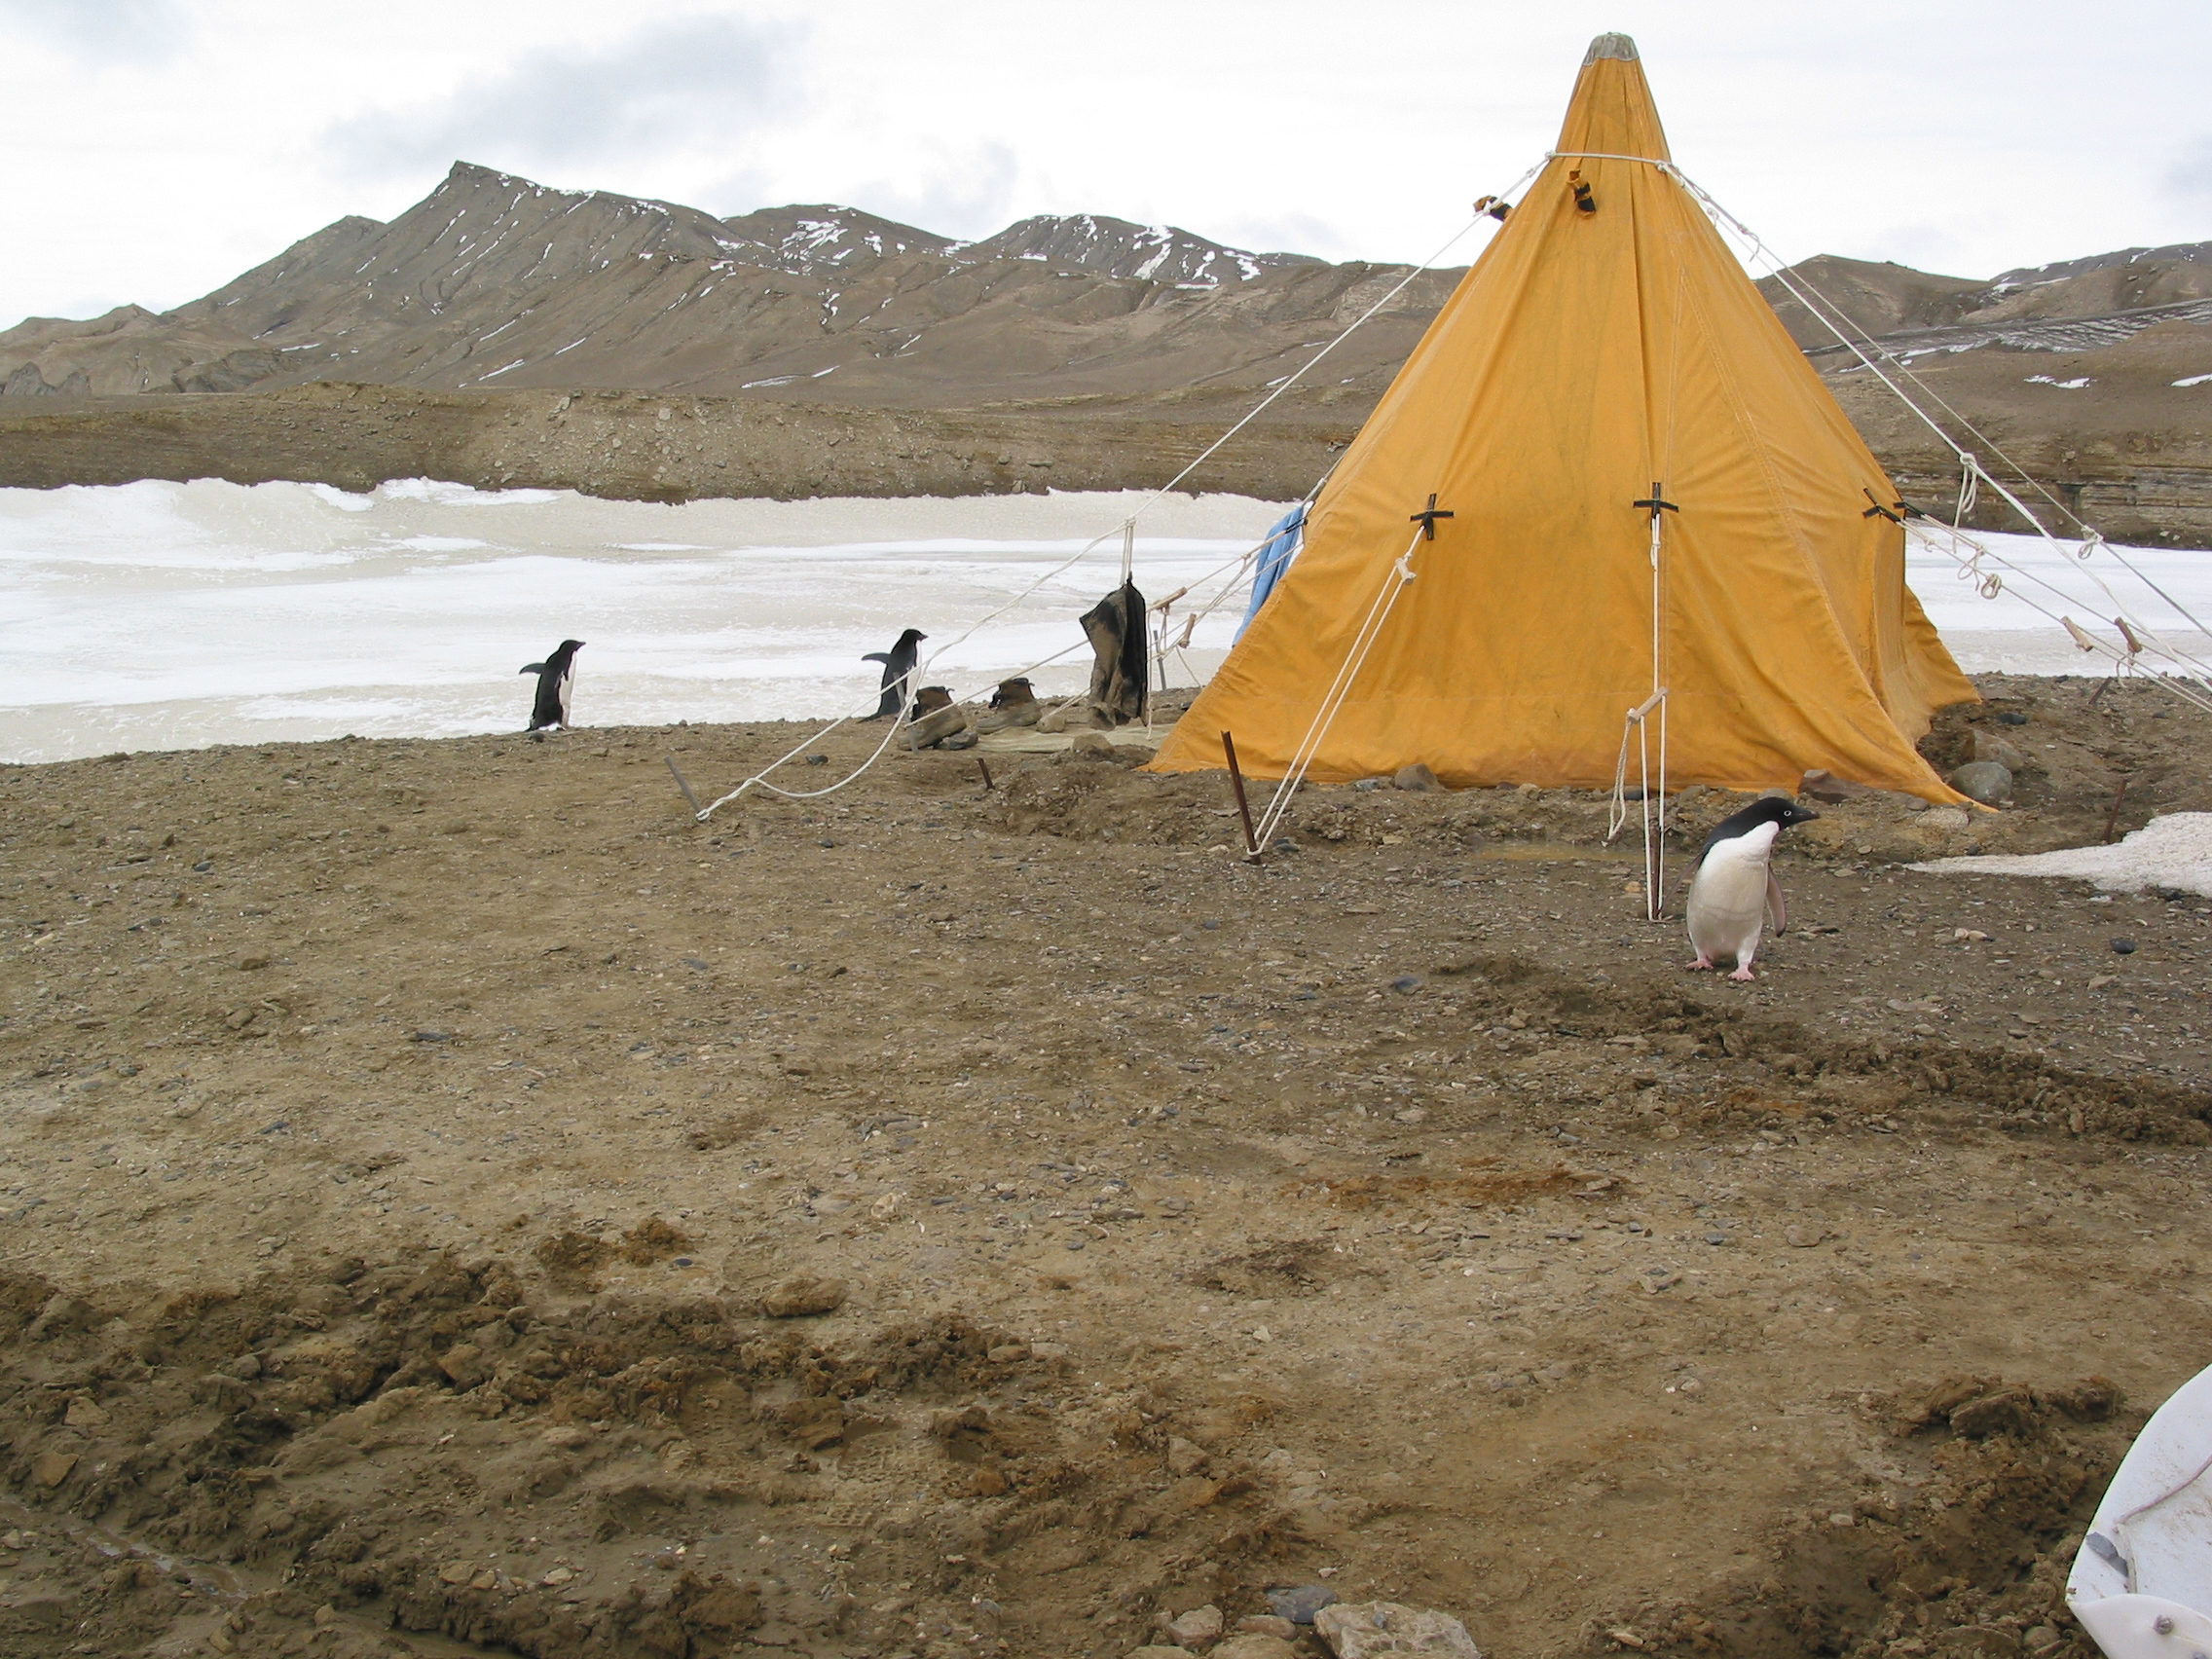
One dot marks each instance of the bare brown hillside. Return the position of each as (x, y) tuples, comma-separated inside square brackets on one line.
[(1072, 351)]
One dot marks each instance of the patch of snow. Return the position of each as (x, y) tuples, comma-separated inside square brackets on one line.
[(573, 344), (2171, 851), (2194, 380), (2063, 386), (496, 372)]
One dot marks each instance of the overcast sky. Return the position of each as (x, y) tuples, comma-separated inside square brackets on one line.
[(156, 148)]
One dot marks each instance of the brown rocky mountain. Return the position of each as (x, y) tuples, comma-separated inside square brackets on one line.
[(494, 281), (2092, 373)]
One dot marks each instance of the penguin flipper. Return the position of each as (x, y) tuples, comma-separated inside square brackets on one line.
[(876, 657), (532, 667), (1777, 912)]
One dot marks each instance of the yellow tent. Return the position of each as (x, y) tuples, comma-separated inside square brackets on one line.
[(1605, 352)]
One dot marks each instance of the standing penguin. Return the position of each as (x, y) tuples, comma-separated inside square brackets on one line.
[(897, 668), (1734, 889), (556, 678)]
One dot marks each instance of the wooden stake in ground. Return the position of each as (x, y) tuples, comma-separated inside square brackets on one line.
[(1236, 782), (2113, 817)]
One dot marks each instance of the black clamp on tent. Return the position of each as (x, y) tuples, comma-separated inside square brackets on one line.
[(1895, 514), (1428, 518), (1656, 501)]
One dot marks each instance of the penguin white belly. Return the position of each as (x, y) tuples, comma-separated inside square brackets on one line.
[(1728, 899), (567, 685)]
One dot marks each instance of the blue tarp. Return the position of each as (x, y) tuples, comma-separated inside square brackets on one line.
[(1275, 555)]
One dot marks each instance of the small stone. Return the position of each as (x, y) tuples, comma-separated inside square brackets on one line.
[(1415, 777), (1413, 1115), (1407, 982), (2124, 946), (1803, 1238), (558, 1576), (1257, 1646), (85, 1412), (566, 1437), (1077, 1244), (1984, 781), (50, 1469), (1156, 1650), (326, 1617), (1266, 1624), (1184, 1458), (1298, 1604), (1363, 1630), (458, 1571), (1947, 818), (796, 1298), (1197, 1626), (465, 1363), (1008, 1353)]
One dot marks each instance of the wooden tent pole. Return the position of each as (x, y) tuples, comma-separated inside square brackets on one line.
[(1236, 782)]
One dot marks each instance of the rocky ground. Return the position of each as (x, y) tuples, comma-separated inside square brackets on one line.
[(456, 1204)]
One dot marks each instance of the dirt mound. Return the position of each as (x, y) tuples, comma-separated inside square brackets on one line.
[(1968, 1561), (2070, 743)]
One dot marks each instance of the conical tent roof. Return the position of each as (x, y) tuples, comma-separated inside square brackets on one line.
[(1586, 355)]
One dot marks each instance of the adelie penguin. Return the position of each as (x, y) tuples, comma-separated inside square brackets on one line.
[(556, 679), (1734, 890), (897, 668)]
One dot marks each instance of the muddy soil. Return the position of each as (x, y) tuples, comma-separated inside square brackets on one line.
[(454, 1203)]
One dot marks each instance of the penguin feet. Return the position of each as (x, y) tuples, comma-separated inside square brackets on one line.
[(1699, 965), (1744, 973)]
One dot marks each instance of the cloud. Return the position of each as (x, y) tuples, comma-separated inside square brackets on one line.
[(103, 32), (1283, 232), (966, 193), (2191, 175), (697, 80)]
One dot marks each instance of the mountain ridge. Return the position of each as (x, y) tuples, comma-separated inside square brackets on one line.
[(495, 280)]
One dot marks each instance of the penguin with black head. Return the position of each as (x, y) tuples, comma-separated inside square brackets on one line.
[(897, 668), (1733, 891), (556, 679)]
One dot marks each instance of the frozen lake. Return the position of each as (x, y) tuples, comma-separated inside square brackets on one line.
[(163, 615)]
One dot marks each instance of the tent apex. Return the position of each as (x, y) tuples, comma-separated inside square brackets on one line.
[(1619, 46)]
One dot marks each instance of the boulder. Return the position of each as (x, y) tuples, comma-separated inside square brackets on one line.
[(1417, 779), (1198, 1627), (1366, 1629), (1999, 750), (1984, 781)]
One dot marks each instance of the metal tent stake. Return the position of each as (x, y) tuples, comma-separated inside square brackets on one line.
[(697, 811)]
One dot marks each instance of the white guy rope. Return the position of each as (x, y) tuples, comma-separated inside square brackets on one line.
[(1399, 578)]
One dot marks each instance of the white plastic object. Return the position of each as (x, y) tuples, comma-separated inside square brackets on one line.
[(2141, 1584)]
